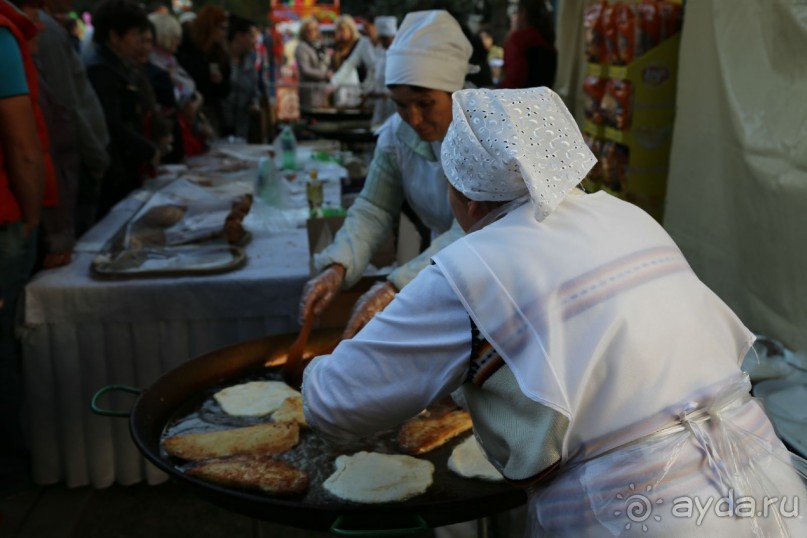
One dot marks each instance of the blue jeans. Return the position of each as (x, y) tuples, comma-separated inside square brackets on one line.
[(17, 255)]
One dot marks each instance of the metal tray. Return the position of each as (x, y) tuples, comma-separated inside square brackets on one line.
[(120, 260), (104, 268)]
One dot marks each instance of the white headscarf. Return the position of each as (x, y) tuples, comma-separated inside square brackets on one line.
[(503, 144), (429, 51), (386, 25)]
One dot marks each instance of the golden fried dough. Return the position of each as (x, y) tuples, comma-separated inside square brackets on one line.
[(270, 438), (163, 216), (422, 434), (291, 410), (252, 472)]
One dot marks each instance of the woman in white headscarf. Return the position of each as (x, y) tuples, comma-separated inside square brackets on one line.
[(600, 373), (383, 107), (426, 63)]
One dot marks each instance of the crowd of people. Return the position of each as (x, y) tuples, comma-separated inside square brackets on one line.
[(84, 120), (348, 71), (91, 107), (554, 316)]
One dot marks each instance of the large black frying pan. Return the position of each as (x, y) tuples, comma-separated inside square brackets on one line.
[(450, 499)]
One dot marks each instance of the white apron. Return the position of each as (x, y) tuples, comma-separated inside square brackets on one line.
[(424, 184), (717, 470)]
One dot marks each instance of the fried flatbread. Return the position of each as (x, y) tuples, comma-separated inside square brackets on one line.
[(424, 433), (370, 477), (254, 399), (291, 411), (253, 472), (271, 438), (163, 216), (468, 460)]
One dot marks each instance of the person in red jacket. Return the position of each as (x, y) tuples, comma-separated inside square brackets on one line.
[(530, 58), (27, 181)]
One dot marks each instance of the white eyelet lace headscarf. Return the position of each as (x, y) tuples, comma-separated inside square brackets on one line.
[(503, 144)]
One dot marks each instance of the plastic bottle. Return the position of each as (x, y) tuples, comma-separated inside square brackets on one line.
[(266, 184), (314, 193), (288, 148)]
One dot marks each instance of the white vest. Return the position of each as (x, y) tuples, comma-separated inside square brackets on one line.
[(596, 312)]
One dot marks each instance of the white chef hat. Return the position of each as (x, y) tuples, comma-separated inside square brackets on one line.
[(429, 51), (386, 25), (503, 144)]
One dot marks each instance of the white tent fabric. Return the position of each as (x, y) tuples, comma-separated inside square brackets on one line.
[(737, 193), (570, 42)]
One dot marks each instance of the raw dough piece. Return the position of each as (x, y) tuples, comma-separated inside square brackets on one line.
[(370, 477)]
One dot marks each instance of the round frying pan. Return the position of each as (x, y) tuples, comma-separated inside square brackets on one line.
[(450, 499)]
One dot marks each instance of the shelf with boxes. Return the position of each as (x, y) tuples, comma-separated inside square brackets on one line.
[(630, 88)]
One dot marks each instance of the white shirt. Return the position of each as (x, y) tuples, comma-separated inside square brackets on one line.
[(627, 337), (362, 54), (367, 384), (655, 331)]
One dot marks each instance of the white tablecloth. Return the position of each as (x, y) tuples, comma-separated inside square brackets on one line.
[(81, 334)]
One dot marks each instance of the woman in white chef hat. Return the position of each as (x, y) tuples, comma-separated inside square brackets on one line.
[(386, 26), (425, 64), (603, 375)]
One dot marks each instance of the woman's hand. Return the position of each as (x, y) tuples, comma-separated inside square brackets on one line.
[(371, 303), (320, 291)]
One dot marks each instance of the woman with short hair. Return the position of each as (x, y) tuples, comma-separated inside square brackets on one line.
[(312, 64), (168, 36), (118, 28)]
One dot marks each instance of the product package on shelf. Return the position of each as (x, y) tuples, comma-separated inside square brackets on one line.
[(629, 96), (595, 37)]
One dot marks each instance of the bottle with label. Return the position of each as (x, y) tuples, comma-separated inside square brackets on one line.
[(288, 148), (314, 193), (266, 184)]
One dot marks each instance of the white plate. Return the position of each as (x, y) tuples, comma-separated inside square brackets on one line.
[(786, 404)]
